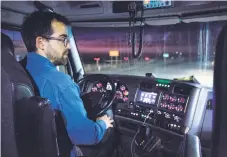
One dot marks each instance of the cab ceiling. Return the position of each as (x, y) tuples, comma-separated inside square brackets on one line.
[(100, 13)]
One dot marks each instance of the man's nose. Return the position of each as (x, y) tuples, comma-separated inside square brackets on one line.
[(68, 45)]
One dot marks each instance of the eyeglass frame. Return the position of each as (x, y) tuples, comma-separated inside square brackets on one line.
[(65, 40)]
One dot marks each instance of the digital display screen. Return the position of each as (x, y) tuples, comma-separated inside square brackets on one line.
[(147, 97), (148, 4)]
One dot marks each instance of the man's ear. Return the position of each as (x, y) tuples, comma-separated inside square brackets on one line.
[(40, 43)]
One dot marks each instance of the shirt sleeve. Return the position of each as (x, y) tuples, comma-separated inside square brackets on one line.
[(81, 130)]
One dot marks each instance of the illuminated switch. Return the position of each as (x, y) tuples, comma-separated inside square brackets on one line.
[(126, 93), (167, 115)]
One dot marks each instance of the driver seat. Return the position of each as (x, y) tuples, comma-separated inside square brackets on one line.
[(28, 121)]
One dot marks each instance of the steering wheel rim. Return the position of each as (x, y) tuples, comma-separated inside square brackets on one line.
[(99, 108)]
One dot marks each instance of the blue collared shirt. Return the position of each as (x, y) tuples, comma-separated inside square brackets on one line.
[(64, 95)]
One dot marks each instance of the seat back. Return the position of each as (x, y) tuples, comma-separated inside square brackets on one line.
[(8, 138), (35, 128), (26, 120)]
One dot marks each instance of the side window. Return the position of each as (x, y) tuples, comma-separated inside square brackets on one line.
[(19, 47)]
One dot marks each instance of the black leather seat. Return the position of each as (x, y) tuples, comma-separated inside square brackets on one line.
[(28, 121)]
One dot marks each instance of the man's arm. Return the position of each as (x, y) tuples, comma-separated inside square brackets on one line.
[(81, 130)]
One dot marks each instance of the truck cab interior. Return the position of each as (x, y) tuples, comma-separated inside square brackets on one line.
[(156, 67)]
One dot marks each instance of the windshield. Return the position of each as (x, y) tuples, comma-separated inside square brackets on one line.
[(172, 51)]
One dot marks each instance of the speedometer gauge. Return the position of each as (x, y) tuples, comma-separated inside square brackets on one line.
[(98, 87), (122, 93)]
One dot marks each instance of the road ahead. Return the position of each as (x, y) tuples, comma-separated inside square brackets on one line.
[(204, 74)]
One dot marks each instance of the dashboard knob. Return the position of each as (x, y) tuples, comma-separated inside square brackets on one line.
[(126, 93)]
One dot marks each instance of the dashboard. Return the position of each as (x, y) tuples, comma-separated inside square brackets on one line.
[(170, 108)]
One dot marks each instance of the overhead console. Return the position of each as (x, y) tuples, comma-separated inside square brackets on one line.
[(122, 6), (148, 4), (163, 104)]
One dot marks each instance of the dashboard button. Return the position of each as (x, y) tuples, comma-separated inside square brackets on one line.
[(179, 108), (130, 106)]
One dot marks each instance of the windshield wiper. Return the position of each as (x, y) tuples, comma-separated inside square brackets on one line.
[(190, 79)]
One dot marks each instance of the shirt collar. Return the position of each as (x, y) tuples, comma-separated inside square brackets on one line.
[(35, 58)]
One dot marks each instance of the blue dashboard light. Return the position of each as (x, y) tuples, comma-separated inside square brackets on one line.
[(148, 4)]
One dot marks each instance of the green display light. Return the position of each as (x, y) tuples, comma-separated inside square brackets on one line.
[(163, 81)]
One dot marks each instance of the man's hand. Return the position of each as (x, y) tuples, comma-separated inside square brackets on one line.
[(107, 120)]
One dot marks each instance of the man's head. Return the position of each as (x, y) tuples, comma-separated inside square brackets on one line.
[(46, 33)]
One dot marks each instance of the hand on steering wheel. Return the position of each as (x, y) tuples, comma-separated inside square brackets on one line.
[(101, 102)]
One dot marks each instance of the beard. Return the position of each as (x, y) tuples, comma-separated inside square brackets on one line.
[(56, 60)]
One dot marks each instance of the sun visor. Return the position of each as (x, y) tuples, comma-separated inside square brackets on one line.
[(163, 21), (205, 18)]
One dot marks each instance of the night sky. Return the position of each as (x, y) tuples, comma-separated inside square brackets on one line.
[(97, 42)]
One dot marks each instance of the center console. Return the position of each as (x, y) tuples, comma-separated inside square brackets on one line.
[(158, 105), (158, 116)]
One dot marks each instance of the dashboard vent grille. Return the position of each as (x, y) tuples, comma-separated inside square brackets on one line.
[(146, 85), (184, 90), (90, 6)]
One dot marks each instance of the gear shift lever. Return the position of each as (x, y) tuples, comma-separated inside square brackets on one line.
[(152, 143), (145, 141)]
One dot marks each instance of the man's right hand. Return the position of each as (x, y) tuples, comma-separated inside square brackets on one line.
[(107, 120)]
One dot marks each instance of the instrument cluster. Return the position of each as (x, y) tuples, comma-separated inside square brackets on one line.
[(176, 103), (122, 92)]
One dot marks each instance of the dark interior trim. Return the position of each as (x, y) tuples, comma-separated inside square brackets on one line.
[(10, 27)]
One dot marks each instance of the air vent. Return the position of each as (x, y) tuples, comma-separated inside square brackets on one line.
[(86, 6), (143, 85), (146, 85), (184, 90)]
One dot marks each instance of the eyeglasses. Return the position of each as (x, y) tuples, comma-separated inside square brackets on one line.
[(65, 40)]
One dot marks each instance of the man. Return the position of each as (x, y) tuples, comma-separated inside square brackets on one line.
[(45, 35)]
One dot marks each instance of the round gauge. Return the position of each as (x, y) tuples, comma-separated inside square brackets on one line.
[(119, 95), (171, 107), (99, 85), (181, 100), (166, 97), (163, 105), (125, 93), (125, 99), (94, 89), (122, 87), (173, 99), (122, 92)]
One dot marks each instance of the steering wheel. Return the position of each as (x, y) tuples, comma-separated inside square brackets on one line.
[(98, 102)]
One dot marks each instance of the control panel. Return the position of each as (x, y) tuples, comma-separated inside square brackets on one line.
[(162, 109)]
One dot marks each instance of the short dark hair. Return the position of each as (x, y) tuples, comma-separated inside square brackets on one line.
[(37, 24)]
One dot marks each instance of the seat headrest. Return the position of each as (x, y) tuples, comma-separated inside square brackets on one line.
[(7, 44)]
